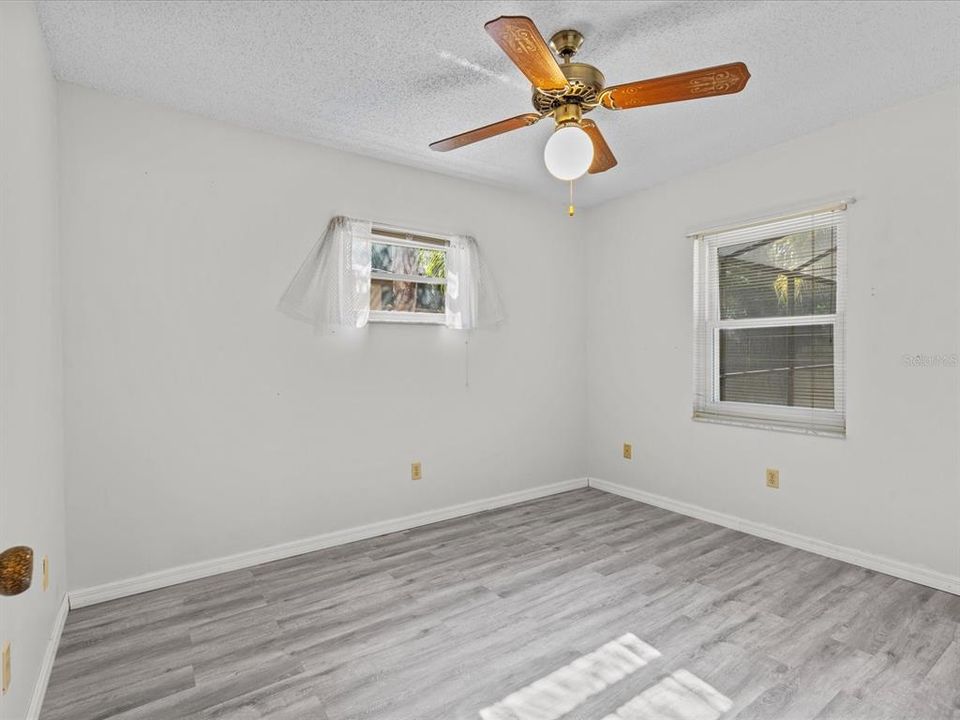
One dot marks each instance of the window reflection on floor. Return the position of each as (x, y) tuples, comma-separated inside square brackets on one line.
[(678, 696), (562, 690)]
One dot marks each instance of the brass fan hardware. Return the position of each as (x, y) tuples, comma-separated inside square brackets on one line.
[(567, 90), (566, 43), (568, 113)]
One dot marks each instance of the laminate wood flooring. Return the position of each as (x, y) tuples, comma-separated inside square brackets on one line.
[(621, 611)]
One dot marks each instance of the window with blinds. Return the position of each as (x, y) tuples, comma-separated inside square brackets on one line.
[(769, 301)]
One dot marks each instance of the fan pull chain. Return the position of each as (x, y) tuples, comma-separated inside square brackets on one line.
[(570, 208)]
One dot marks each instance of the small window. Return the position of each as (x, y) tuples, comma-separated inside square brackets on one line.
[(408, 277), (769, 324), (360, 271)]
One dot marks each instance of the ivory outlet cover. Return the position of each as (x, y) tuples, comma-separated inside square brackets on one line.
[(773, 478)]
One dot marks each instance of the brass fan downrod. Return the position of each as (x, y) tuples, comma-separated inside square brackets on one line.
[(566, 43)]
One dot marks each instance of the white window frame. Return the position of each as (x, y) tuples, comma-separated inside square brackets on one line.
[(405, 237), (707, 326)]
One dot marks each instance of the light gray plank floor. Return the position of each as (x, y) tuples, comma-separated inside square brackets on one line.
[(439, 622)]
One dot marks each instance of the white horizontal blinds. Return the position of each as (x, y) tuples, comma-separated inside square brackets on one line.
[(769, 323), (408, 274)]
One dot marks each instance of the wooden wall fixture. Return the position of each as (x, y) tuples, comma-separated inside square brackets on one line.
[(16, 570)]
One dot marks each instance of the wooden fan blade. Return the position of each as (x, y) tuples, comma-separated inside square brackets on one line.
[(719, 80), (603, 158), (487, 131), (519, 38)]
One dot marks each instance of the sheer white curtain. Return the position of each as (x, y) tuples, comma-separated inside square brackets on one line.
[(472, 300), (332, 287)]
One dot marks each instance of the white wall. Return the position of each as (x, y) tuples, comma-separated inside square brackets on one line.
[(201, 422), (892, 487), (31, 399)]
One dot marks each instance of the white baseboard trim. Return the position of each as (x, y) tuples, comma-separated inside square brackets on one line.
[(40, 687), (206, 568), (888, 566)]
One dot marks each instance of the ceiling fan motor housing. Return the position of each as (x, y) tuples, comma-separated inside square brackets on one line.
[(584, 84)]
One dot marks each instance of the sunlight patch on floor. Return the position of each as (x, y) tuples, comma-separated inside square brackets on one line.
[(562, 690), (680, 696)]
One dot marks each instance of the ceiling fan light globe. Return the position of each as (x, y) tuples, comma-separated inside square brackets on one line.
[(568, 152)]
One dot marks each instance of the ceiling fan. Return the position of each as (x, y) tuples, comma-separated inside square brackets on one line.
[(569, 90)]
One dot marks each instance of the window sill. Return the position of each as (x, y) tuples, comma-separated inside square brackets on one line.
[(394, 317), (775, 424)]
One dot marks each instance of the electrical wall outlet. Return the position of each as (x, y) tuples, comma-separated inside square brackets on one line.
[(6, 666), (628, 451), (416, 472), (45, 564), (773, 478)]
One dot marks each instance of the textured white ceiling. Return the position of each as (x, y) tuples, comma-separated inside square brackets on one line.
[(387, 78)]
